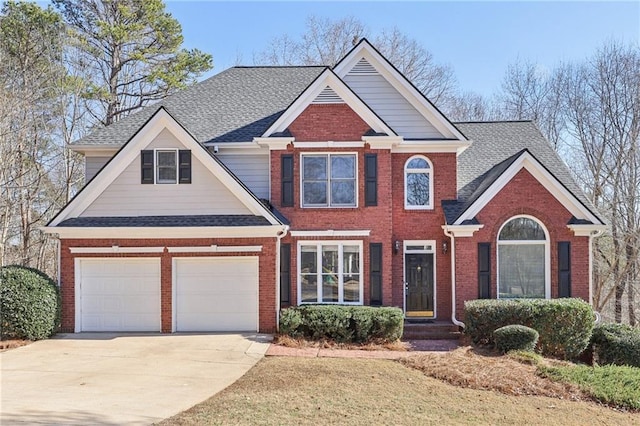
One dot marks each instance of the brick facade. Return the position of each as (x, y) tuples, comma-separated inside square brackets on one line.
[(523, 195), (328, 122), (267, 278)]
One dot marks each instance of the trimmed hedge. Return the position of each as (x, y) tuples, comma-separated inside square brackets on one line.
[(515, 337), (564, 325), (343, 323), (617, 344), (29, 304)]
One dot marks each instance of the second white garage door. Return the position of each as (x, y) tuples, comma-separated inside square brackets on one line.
[(216, 294)]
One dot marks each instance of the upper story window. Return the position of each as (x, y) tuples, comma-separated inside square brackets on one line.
[(523, 259), (329, 180), (167, 166), (418, 183)]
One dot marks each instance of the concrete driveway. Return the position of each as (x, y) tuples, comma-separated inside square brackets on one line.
[(101, 378)]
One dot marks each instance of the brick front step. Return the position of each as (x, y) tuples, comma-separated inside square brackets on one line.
[(430, 331)]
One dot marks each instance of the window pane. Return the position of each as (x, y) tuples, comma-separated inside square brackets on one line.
[(308, 259), (352, 288), (343, 192), (521, 270), (418, 163), (343, 166), (314, 193), (167, 158), (308, 288), (522, 228), (166, 174), (417, 189), (314, 167), (329, 288), (351, 260), (329, 259)]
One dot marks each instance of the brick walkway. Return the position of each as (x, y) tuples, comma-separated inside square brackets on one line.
[(416, 346)]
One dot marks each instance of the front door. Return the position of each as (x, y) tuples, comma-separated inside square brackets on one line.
[(419, 284)]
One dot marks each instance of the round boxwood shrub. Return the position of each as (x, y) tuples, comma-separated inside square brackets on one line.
[(516, 337), (617, 344), (29, 304)]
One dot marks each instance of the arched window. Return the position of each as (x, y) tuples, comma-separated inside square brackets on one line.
[(523, 259), (418, 183)]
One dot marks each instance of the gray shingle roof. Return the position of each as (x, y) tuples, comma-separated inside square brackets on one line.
[(495, 146), (232, 106), (166, 221)]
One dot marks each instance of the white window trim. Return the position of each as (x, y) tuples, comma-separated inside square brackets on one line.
[(319, 245), (547, 253), (156, 164), (329, 205), (428, 171), (426, 250)]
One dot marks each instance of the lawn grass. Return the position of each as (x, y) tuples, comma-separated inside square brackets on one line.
[(612, 384), (282, 390)]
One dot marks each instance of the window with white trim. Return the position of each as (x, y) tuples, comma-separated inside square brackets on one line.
[(418, 183), (330, 272), (523, 259), (329, 180), (167, 166)]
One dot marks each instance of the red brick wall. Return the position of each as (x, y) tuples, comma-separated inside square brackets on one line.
[(388, 221), (328, 122), (425, 225), (267, 279), (524, 195)]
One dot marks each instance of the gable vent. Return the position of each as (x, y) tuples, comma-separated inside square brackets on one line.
[(363, 67), (328, 96)]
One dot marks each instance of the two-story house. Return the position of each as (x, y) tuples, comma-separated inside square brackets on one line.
[(265, 187)]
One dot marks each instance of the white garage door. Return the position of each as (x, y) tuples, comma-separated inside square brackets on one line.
[(216, 294), (119, 294)]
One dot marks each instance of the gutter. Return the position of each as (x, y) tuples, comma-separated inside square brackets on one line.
[(280, 236), (453, 278)]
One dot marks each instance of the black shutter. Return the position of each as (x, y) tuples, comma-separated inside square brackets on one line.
[(564, 269), (184, 166), (287, 180), (375, 273), (146, 167), (285, 274), (484, 270), (371, 179)]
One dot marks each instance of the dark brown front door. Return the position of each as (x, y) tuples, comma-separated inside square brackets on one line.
[(419, 282)]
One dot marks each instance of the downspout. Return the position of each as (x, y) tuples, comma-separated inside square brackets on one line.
[(453, 278), (593, 235), (280, 236)]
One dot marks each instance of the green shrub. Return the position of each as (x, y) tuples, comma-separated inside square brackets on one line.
[(29, 304), (515, 337), (564, 325), (342, 323), (617, 344)]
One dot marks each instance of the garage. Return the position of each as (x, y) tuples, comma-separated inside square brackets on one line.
[(118, 294), (216, 294)]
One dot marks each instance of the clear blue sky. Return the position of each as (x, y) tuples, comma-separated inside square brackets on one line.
[(478, 39)]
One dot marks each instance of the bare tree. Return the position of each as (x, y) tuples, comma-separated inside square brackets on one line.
[(326, 41), (602, 111)]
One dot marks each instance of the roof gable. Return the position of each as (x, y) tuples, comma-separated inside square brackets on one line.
[(499, 176), (161, 123), (328, 88), (364, 61)]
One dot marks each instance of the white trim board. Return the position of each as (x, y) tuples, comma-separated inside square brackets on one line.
[(167, 232), (328, 78), (215, 249), (546, 179), (157, 123), (332, 233)]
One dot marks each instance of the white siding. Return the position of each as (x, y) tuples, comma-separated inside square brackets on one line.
[(92, 165), (126, 196), (251, 169), (391, 106)]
